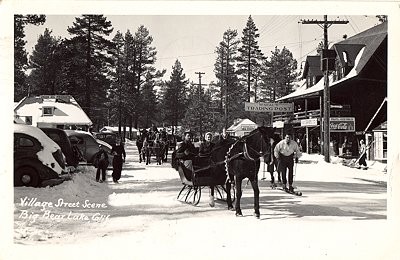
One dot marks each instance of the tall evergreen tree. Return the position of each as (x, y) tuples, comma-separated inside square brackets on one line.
[(45, 65), (250, 57), (198, 113), (118, 84), (89, 33), (150, 105), (145, 58), (20, 54), (279, 74), (232, 92), (174, 96)]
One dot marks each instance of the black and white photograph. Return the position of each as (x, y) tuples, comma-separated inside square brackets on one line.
[(200, 130)]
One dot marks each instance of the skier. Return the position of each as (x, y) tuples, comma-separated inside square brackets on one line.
[(285, 151)]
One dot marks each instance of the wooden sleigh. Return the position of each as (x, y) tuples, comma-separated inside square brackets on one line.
[(195, 181)]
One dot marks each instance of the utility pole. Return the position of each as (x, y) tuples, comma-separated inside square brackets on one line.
[(325, 24), (200, 93)]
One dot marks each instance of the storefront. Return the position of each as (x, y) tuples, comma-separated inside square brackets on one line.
[(380, 142), (241, 127)]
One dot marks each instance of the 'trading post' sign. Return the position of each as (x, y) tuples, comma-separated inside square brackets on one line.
[(268, 107)]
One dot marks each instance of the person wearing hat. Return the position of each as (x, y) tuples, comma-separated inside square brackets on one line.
[(101, 163), (186, 151), (206, 146)]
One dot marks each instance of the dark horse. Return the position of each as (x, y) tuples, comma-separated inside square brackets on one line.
[(242, 160)]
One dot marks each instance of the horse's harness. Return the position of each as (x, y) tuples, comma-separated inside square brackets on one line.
[(245, 153)]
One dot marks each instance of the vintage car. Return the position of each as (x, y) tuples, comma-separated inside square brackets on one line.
[(36, 157), (60, 137), (107, 137), (87, 144)]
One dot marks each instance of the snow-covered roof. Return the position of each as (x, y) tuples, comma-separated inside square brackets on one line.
[(381, 127), (49, 146), (362, 46), (115, 129), (245, 121), (66, 110), (320, 84)]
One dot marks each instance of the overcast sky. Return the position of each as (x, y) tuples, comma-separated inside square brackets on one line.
[(193, 38)]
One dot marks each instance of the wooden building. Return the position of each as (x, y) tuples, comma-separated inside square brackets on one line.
[(358, 86)]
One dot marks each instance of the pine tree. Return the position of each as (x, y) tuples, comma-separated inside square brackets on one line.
[(198, 113), (174, 96), (279, 73), (45, 65), (118, 83), (150, 105), (145, 57), (20, 54), (232, 93), (94, 49), (250, 56)]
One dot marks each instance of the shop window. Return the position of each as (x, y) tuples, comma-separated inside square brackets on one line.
[(385, 145)]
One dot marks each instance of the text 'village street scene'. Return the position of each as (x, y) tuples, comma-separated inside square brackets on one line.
[(201, 137)]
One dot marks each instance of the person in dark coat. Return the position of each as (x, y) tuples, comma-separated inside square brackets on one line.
[(186, 151), (206, 146), (119, 157), (273, 164), (101, 163)]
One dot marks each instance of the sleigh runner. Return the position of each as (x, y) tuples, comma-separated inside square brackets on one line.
[(201, 177)]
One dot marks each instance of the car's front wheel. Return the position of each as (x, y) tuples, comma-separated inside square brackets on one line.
[(26, 176)]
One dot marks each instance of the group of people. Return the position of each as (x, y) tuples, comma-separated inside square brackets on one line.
[(101, 161), (187, 151), (284, 153)]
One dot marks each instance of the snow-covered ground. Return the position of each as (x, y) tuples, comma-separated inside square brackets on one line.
[(341, 215)]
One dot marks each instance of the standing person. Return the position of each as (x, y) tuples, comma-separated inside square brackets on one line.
[(222, 137), (139, 145), (274, 162), (118, 151), (285, 151), (186, 151), (206, 146), (101, 163), (145, 151), (363, 155)]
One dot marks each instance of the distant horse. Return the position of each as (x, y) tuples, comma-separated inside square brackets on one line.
[(157, 149), (145, 153), (242, 160), (139, 145)]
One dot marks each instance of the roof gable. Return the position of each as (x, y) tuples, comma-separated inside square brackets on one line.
[(312, 66), (371, 39), (66, 109)]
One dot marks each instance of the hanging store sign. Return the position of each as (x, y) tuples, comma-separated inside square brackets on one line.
[(268, 107), (278, 124), (342, 124), (248, 127), (309, 122)]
